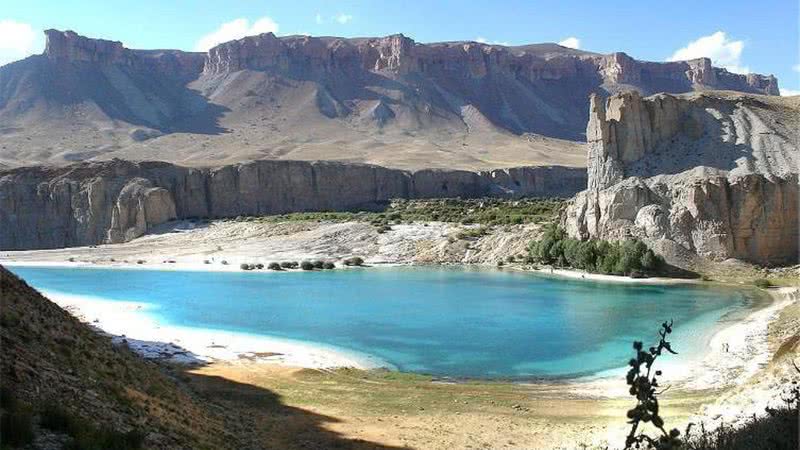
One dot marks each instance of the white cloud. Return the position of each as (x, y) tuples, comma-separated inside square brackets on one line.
[(789, 92), (318, 19), (17, 40), (343, 18), (483, 40), (570, 42), (723, 52), (236, 29)]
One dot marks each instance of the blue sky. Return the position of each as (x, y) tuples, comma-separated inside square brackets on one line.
[(760, 37)]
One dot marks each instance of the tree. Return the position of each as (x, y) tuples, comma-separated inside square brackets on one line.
[(650, 261)]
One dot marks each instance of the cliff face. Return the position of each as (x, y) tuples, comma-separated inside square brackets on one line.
[(711, 174), (68, 47), (118, 201), (402, 56), (319, 98)]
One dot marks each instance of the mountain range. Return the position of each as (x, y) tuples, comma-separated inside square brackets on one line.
[(388, 101)]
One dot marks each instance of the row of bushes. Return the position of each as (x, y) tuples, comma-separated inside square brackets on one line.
[(285, 265), (485, 211), (305, 265), (629, 257)]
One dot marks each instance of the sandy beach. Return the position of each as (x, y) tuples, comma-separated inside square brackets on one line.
[(131, 322)]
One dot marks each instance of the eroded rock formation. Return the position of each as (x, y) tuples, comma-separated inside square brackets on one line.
[(712, 174), (89, 99), (117, 201)]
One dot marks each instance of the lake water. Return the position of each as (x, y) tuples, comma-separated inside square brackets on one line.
[(442, 321)]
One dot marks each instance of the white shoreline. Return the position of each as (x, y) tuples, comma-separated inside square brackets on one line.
[(180, 266), (130, 322), (218, 267), (588, 276)]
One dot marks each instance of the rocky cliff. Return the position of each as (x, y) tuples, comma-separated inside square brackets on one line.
[(713, 174), (400, 55), (389, 101), (93, 203)]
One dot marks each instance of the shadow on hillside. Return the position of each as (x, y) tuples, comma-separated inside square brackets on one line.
[(257, 416), (676, 272), (267, 422)]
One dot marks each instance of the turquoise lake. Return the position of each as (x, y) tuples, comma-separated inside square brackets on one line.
[(443, 321)]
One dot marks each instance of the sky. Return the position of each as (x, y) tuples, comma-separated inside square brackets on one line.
[(739, 35)]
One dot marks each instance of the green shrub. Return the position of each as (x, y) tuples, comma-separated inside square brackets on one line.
[(473, 233), (289, 264), (354, 261), (259, 266), (274, 266), (245, 266), (307, 265), (763, 283), (618, 258), (329, 265), (318, 264)]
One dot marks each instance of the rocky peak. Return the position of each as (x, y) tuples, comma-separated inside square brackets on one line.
[(624, 127), (396, 53), (261, 52), (70, 46)]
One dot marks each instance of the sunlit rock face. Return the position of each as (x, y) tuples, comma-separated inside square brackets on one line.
[(117, 201), (712, 174)]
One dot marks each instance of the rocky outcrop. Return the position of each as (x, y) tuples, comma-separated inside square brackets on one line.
[(68, 47), (117, 201), (138, 207), (709, 174)]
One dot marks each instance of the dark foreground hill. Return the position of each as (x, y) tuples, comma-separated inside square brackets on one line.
[(65, 386), (389, 101)]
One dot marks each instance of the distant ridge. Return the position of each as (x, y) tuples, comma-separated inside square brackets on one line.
[(386, 100)]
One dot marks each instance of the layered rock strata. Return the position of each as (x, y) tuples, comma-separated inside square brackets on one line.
[(117, 201)]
